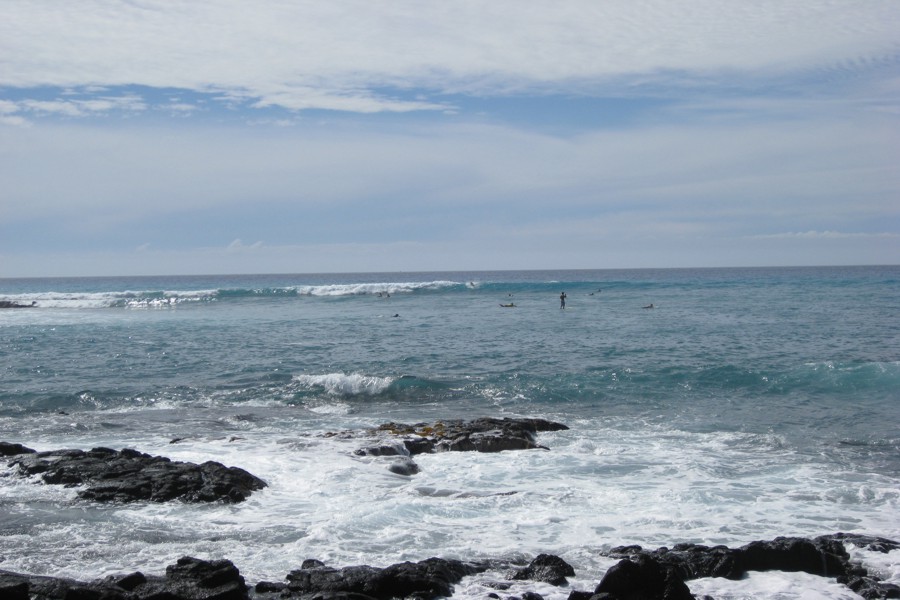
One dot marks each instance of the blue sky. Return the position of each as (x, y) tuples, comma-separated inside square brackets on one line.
[(155, 137)]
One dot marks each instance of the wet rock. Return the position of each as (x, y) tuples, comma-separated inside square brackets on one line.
[(404, 467), (642, 578), (867, 542), (9, 449), (189, 579), (128, 476), (641, 574), (824, 555), (427, 579), (478, 435), (821, 556), (13, 304), (547, 568)]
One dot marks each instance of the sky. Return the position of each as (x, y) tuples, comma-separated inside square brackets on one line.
[(152, 137)]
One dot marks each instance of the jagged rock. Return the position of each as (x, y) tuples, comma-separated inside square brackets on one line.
[(189, 579), (128, 476), (642, 574), (547, 568), (821, 556), (642, 578), (824, 556), (430, 578), (479, 435), (868, 542), (14, 591), (9, 449)]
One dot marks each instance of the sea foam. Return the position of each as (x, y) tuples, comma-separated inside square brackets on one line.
[(346, 384)]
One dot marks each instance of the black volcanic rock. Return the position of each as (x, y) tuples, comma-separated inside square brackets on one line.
[(824, 555), (547, 568), (13, 304), (9, 449), (430, 578), (478, 435), (404, 466), (640, 575), (189, 579), (820, 556), (643, 578), (128, 476)]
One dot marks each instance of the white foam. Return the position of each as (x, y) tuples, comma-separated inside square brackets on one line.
[(97, 300), (772, 585), (346, 384), (358, 289), (601, 484)]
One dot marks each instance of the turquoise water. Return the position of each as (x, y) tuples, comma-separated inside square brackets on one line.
[(756, 402)]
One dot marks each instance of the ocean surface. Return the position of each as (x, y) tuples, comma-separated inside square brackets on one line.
[(746, 404)]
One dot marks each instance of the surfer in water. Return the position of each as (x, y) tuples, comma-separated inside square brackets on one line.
[(562, 300)]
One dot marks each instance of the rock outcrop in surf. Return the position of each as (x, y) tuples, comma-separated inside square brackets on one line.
[(129, 476), (641, 574), (825, 556), (478, 435), (13, 304)]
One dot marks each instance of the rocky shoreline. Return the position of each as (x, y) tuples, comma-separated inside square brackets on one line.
[(129, 476), (640, 575)]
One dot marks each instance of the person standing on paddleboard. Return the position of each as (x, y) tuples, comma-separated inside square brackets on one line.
[(562, 300)]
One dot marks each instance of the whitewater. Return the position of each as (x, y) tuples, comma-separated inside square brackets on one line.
[(746, 404)]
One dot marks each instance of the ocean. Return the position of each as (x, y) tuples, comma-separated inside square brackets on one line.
[(746, 404)]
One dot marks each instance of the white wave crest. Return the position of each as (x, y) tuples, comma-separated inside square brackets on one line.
[(128, 298), (342, 384), (361, 289)]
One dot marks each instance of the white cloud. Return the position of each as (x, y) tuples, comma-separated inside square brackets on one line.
[(751, 131), (75, 108), (807, 175), (828, 235), (239, 246), (14, 120), (338, 54)]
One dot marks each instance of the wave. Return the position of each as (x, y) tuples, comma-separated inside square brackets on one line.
[(342, 384), (123, 299), (172, 298)]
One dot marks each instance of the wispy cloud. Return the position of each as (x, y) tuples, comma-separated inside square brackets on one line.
[(365, 134), (828, 235), (346, 55)]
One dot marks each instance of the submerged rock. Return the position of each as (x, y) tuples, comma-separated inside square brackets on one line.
[(128, 476), (404, 466), (479, 435)]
